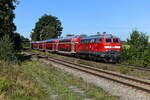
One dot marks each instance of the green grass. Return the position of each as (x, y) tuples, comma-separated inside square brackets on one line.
[(33, 80), (17, 84), (60, 81)]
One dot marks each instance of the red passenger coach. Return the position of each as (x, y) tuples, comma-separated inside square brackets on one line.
[(44, 45), (40, 45), (106, 47), (50, 45), (68, 45), (36, 45), (33, 45)]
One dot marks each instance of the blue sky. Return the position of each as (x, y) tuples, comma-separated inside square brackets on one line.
[(118, 17)]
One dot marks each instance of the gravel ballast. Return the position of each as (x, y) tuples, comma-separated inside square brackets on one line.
[(124, 92)]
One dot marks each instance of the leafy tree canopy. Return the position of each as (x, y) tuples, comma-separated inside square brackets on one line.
[(47, 27), (7, 16), (138, 40), (70, 35)]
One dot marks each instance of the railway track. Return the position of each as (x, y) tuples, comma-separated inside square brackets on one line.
[(125, 65), (135, 67), (134, 83)]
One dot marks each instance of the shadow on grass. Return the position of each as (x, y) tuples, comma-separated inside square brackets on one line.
[(22, 57)]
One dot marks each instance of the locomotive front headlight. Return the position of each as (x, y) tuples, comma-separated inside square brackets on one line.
[(117, 46), (107, 47)]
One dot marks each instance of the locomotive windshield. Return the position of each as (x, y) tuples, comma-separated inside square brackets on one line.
[(108, 41), (115, 40)]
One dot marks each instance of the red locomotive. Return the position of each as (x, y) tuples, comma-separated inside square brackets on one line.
[(105, 47)]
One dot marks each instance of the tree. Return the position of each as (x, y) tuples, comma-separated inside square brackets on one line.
[(47, 27), (70, 35), (138, 40), (7, 52), (6, 17), (7, 28)]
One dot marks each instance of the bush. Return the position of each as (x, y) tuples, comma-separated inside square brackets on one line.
[(17, 41), (136, 54), (7, 52), (147, 57)]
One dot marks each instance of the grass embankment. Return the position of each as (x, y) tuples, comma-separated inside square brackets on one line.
[(121, 69), (33, 80)]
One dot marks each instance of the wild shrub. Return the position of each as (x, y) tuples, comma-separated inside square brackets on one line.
[(134, 55), (7, 52), (147, 57)]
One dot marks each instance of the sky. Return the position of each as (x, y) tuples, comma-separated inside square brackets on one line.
[(117, 17)]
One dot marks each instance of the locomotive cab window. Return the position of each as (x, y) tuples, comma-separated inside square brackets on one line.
[(115, 40), (95, 40), (100, 40), (108, 41)]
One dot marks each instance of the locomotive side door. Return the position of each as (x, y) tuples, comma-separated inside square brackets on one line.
[(73, 47)]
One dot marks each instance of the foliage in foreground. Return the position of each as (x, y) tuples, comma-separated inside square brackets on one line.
[(17, 84), (7, 52)]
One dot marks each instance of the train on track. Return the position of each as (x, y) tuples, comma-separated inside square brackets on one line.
[(104, 47)]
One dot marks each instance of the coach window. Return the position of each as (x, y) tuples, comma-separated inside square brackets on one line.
[(90, 41), (108, 41), (95, 40), (83, 41), (86, 41)]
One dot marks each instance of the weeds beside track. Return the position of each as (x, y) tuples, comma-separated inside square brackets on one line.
[(138, 84)]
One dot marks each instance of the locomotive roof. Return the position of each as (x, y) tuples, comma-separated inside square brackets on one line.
[(50, 40), (99, 36)]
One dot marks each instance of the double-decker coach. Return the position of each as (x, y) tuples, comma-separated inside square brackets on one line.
[(68, 45), (50, 45)]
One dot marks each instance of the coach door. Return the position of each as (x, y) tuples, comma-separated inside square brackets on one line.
[(73, 47), (56, 46), (44, 46)]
